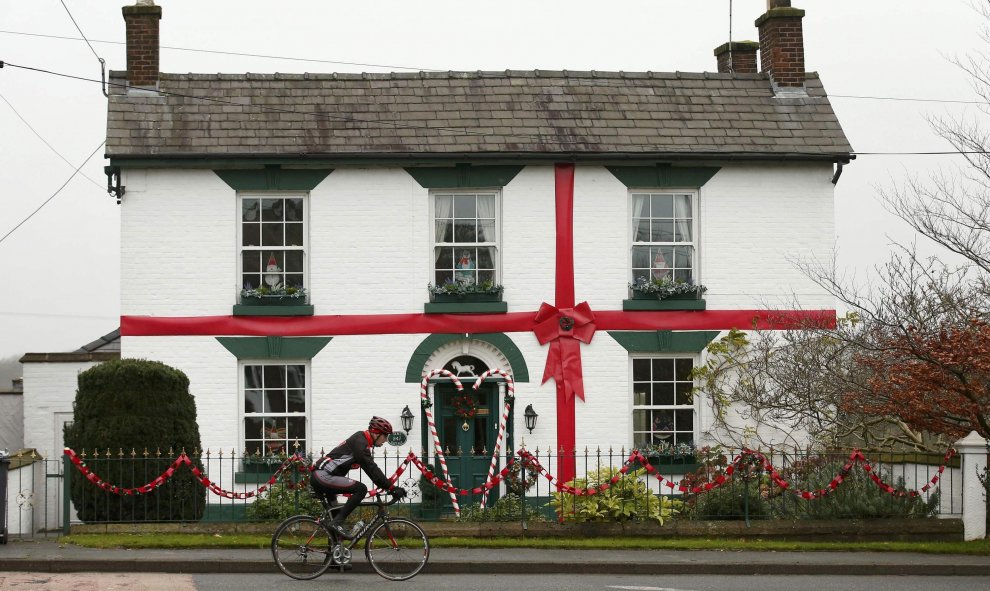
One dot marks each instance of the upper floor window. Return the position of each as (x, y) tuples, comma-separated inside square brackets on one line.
[(273, 241), (663, 408), (663, 230), (274, 396), (465, 238)]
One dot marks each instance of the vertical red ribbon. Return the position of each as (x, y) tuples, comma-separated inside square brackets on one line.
[(564, 291)]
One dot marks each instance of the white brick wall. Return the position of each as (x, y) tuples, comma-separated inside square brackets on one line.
[(370, 253), (49, 388)]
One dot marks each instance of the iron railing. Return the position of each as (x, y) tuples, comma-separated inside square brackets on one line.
[(227, 489)]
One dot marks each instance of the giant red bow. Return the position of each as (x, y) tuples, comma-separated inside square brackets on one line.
[(565, 329)]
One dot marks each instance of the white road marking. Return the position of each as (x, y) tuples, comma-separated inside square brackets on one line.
[(637, 588)]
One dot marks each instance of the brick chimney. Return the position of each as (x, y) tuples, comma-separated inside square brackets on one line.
[(782, 44), (737, 56), (142, 21)]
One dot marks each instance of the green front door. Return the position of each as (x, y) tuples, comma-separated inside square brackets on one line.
[(468, 441)]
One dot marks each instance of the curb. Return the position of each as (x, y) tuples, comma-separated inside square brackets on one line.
[(450, 568)]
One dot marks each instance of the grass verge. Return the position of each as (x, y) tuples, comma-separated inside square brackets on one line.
[(233, 541)]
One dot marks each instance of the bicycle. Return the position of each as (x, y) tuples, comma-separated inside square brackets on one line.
[(304, 547)]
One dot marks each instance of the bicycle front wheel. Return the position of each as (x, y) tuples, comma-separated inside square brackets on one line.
[(397, 549), (302, 547)]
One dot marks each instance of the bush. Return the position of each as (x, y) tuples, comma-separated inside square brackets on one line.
[(507, 508), (628, 499), (858, 497), (128, 406), (280, 502), (739, 498)]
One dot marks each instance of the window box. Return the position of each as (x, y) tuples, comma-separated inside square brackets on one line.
[(639, 295), (454, 298), (654, 304), (671, 464), (272, 300), (279, 304)]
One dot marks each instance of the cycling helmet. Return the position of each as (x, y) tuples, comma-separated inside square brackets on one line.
[(380, 425)]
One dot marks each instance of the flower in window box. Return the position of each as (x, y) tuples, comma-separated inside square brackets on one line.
[(282, 295), (666, 288), (460, 291)]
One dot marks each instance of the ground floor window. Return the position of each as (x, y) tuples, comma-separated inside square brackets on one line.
[(275, 417), (663, 409)]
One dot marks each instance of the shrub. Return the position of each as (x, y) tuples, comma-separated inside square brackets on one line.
[(280, 502), (739, 498), (626, 500), (857, 497), (507, 508), (127, 406)]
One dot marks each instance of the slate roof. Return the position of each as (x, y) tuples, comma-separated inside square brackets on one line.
[(475, 114)]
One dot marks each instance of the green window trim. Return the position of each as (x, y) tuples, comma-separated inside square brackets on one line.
[(414, 369), (465, 307), (274, 347), (249, 310), (462, 176), (273, 178), (647, 305), (663, 341), (663, 175)]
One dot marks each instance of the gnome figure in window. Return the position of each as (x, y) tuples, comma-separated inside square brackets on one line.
[(660, 268), (273, 274), (465, 268)]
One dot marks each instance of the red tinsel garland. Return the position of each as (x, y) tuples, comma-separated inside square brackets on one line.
[(299, 463)]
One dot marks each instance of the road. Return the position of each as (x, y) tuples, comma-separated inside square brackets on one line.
[(530, 582)]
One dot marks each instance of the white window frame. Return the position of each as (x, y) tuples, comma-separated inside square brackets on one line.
[(694, 407), (496, 243), (694, 243), (240, 248), (243, 415)]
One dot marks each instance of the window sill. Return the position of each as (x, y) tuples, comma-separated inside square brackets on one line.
[(666, 304), (266, 310), (253, 477), (466, 307)]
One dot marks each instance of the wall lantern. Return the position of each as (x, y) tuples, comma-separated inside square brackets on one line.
[(407, 419), (530, 416)]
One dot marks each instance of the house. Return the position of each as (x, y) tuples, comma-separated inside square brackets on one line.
[(562, 187), (12, 416), (50, 383)]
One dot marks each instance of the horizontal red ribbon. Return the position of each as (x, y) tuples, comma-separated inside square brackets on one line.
[(373, 324)]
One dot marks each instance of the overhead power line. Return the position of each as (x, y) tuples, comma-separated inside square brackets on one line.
[(234, 53), (411, 68), (103, 63), (55, 194), (44, 141)]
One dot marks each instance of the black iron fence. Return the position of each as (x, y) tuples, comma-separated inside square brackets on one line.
[(612, 485)]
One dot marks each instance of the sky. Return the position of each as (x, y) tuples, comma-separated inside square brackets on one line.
[(61, 267)]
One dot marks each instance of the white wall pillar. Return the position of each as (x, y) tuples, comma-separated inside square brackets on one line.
[(973, 451)]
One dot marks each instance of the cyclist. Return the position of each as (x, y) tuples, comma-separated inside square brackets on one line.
[(329, 477)]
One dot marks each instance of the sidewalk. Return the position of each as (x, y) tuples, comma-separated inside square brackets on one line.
[(49, 556)]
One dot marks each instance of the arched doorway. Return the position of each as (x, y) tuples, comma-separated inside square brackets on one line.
[(467, 421)]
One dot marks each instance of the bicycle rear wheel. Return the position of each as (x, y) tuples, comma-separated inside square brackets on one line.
[(397, 549), (302, 547)]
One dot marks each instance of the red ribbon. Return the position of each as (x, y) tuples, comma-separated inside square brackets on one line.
[(565, 330)]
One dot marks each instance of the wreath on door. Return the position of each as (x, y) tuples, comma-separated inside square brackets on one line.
[(465, 407)]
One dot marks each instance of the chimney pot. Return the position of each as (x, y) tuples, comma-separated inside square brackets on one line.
[(142, 20), (782, 44)]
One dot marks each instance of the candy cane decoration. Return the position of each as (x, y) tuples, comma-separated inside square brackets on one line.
[(510, 395), (425, 400)]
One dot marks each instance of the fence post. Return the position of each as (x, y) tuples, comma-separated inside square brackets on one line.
[(66, 492), (4, 466), (973, 451)]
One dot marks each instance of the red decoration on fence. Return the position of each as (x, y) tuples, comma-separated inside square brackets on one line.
[(300, 463)]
